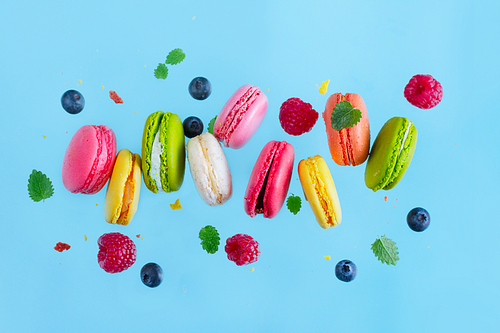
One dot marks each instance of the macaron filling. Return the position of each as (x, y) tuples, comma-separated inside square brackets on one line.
[(258, 201), (210, 174), (323, 197), (102, 161), (238, 111), (393, 169), (156, 151)]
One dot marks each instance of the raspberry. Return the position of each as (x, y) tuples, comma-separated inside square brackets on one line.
[(117, 252), (423, 91), (297, 117), (242, 249)]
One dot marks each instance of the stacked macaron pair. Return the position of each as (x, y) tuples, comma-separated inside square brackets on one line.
[(90, 160)]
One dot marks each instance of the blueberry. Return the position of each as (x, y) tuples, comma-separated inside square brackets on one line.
[(346, 270), (418, 219), (200, 88), (193, 126), (151, 275), (72, 101)]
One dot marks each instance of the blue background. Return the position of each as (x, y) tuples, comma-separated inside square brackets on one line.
[(446, 278)]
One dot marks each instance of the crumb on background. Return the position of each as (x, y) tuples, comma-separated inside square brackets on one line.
[(327, 257), (60, 246), (114, 96), (176, 205), (85, 236)]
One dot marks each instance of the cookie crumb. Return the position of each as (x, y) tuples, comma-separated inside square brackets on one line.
[(114, 96), (176, 205), (327, 257), (61, 247), (324, 87)]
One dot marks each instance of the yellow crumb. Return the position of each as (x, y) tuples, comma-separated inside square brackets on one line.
[(267, 90), (44, 136), (80, 81), (102, 87), (85, 237), (327, 257), (142, 238), (97, 50), (194, 17), (253, 269), (176, 205), (144, 65), (96, 204), (324, 87)]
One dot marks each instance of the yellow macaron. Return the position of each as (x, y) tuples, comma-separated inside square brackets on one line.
[(122, 195), (319, 191)]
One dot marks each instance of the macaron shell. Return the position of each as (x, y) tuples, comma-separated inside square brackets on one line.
[(384, 169), (174, 155), (209, 169), (122, 195), (89, 159), (248, 123), (320, 192), (273, 169), (359, 134), (151, 127)]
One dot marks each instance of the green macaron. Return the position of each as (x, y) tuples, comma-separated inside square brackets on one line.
[(391, 154), (163, 152)]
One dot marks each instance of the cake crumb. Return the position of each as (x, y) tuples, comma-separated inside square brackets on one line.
[(253, 269), (85, 236), (44, 136), (176, 205), (80, 81), (194, 17), (114, 96), (327, 257), (102, 87)]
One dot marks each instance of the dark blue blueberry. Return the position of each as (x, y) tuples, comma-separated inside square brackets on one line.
[(193, 126), (151, 275), (346, 270), (72, 101), (200, 88), (418, 219)]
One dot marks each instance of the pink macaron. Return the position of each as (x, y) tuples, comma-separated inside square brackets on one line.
[(241, 116), (89, 159), (268, 185)]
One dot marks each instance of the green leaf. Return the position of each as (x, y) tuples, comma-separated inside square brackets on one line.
[(385, 250), (161, 71), (39, 186), (175, 56), (345, 115), (211, 125), (209, 239), (294, 203)]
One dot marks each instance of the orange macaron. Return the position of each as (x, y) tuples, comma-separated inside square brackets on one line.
[(348, 146)]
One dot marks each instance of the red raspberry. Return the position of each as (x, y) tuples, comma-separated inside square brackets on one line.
[(297, 117), (117, 252), (242, 249), (423, 91)]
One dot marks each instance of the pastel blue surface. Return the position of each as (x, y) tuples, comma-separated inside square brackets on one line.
[(447, 278)]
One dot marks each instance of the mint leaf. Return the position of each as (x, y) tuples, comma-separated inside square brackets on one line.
[(39, 186), (294, 203), (209, 239), (385, 250), (345, 115), (211, 125), (161, 71), (175, 56)]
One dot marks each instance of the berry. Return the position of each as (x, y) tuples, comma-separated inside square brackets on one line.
[(72, 101), (200, 88), (423, 91), (117, 252), (242, 249), (151, 275), (193, 126), (418, 219), (346, 270), (297, 117)]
